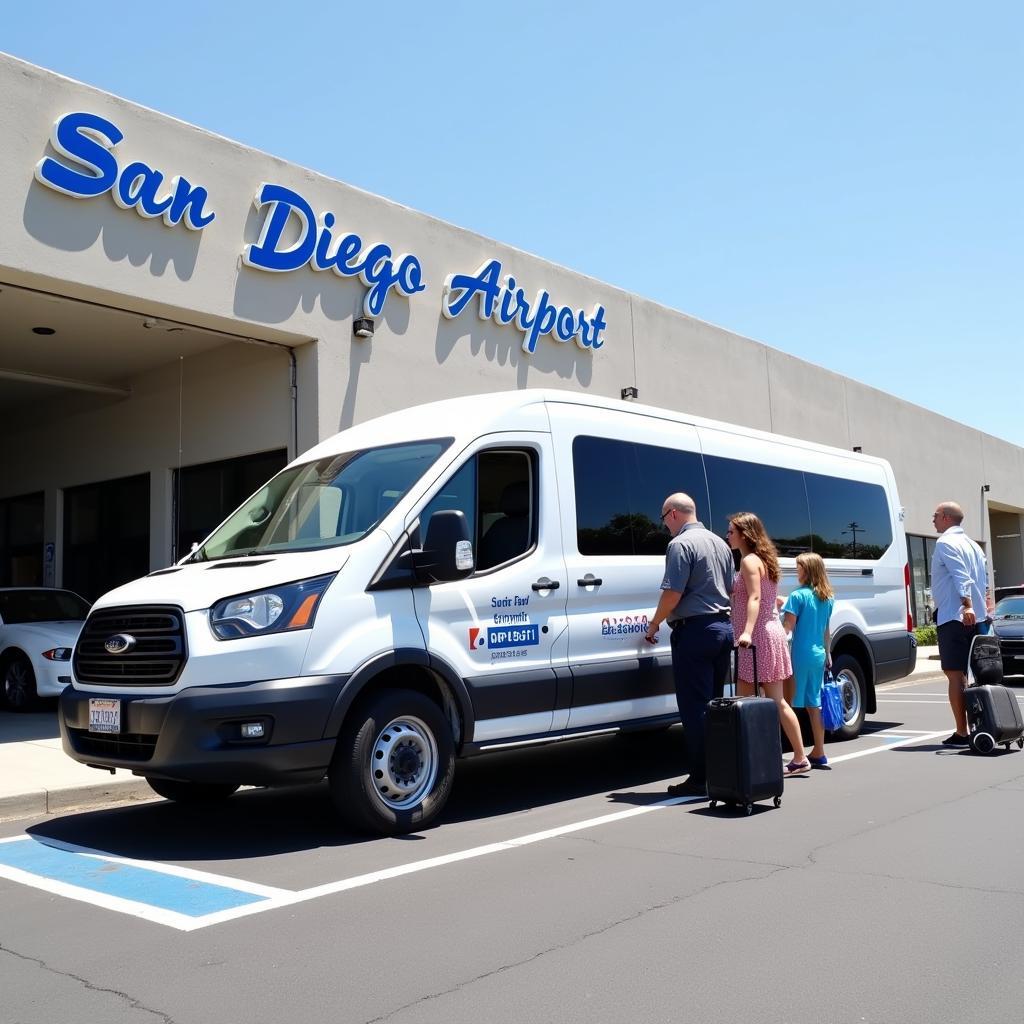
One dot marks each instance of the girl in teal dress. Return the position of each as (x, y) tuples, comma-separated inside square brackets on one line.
[(806, 615)]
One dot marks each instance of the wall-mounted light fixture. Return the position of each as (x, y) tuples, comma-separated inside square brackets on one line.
[(629, 394), (362, 327)]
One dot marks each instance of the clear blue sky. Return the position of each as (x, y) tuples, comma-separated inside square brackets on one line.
[(840, 181)]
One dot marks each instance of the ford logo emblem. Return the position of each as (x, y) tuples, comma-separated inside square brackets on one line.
[(119, 643)]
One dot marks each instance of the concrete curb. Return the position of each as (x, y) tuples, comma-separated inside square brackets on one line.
[(39, 802)]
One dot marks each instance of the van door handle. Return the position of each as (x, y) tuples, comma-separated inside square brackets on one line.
[(545, 584), (589, 581)]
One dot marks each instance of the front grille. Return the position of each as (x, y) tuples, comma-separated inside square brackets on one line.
[(156, 657), (1011, 646), (125, 746)]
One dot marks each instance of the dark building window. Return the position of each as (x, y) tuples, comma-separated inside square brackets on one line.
[(106, 535), (21, 541), (620, 487), (206, 494)]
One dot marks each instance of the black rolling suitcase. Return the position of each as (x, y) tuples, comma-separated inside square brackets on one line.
[(993, 714), (743, 749)]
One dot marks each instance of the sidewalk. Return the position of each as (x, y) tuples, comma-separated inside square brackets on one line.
[(37, 777)]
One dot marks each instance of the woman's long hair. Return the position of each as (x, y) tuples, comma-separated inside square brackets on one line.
[(752, 530), (814, 570)]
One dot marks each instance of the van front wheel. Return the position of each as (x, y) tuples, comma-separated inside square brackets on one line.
[(394, 764)]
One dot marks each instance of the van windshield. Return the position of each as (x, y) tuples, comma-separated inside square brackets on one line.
[(335, 500)]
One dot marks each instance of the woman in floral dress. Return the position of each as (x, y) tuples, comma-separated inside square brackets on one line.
[(755, 621)]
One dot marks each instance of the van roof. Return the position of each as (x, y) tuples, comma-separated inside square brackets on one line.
[(472, 415)]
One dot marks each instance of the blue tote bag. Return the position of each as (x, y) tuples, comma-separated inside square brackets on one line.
[(831, 703)]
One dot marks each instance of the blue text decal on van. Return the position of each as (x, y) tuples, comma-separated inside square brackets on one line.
[(513, 636)]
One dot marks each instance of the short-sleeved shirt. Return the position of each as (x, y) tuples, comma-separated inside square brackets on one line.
[(958, 570), (812, 617), (698, 563)]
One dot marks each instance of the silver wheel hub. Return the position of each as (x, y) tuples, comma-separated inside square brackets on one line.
[(851, 696), (403, 762)]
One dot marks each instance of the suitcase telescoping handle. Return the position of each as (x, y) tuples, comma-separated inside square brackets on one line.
[(736, 662)]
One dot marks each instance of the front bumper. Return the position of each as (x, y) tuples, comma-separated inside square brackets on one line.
[(194, 735)]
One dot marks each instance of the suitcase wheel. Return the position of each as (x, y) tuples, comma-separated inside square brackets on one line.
[(1020, 743), (748, 808), (982, 743), (712, 803), (777, 801)]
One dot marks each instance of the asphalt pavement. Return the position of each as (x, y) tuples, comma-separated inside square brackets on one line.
[(37, 777), (561, 885)]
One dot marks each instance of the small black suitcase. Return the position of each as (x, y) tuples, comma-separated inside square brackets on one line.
[(743, 749), (994, 717)]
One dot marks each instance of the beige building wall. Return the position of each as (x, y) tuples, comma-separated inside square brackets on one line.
[(92, 249)]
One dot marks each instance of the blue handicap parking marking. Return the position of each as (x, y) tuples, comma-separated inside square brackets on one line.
[(111, 877)]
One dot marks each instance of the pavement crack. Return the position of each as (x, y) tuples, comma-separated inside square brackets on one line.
[(134, 1003), (562, 946)]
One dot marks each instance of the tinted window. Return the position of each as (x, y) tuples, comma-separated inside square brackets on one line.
[(41, 606), (496, 493), (620, 487), (775, 495), (849, 519)]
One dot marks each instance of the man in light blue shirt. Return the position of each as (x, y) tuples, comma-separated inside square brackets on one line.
[(959, 585)]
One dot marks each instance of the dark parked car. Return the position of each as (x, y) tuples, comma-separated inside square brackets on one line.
[(1008, 623)]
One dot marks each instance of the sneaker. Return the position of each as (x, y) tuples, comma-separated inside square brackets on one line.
[(956, 740), (689, 787)]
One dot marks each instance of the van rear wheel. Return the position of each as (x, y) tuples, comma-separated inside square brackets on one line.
[(394, 764), (850, 676)]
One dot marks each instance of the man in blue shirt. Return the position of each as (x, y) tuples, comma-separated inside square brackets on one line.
[(959, 585), (695, 602)]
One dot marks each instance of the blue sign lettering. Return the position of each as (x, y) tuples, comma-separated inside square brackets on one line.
[(89, 168), (507, 304), (513, 636), (376, 266)]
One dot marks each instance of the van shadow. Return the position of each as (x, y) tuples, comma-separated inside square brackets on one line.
[(266, 822)]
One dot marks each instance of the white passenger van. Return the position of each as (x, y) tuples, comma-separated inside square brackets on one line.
[(465, 576)]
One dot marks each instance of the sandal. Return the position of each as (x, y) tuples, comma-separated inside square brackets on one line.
[(798, 767)]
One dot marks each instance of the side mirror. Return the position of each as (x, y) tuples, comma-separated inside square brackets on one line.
[(447, 553)]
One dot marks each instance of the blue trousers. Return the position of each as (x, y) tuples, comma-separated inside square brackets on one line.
[(701, 649)]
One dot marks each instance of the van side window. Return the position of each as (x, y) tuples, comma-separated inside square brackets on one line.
[(496, 491), (776, 495), (849, 519), (620, 486)]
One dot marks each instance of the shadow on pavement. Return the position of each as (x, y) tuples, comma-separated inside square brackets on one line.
[(265, 822)]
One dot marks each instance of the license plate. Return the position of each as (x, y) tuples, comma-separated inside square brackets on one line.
[(104, 715)]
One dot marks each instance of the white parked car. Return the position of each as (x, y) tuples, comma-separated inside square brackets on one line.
[(38, 629)]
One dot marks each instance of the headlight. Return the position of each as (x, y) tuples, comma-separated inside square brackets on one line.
[(58, 654), (292, 606)]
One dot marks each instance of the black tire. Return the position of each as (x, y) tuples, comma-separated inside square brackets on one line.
[(850, 677), (394, 764), (18, 684), (191, 792)]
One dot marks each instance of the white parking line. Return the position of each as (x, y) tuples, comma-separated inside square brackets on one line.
[(276, 898)]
